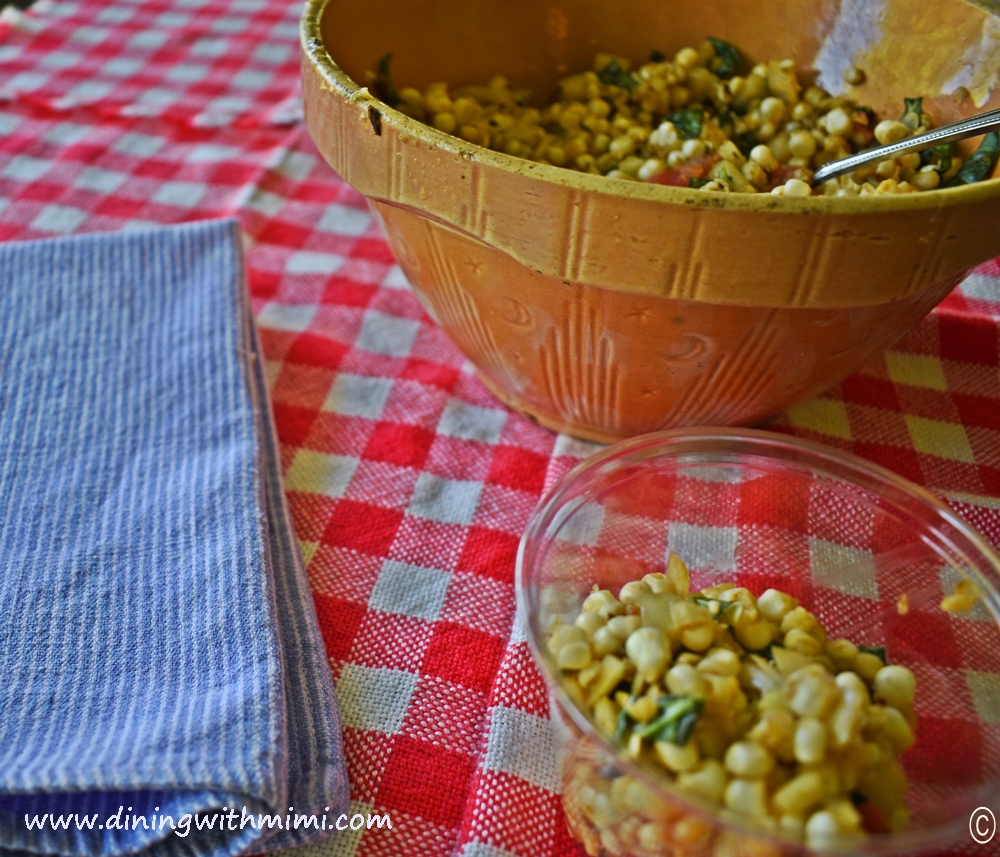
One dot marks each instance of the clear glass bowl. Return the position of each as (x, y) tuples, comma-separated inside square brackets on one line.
[(845, 537)]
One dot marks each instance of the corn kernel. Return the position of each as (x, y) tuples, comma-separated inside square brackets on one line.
[(797, 187), (810, 740), (720, 662), (965, 595), (867, 665), (748, 759), (800, 794), (563, 635), (895, 685), (748, 797), (649, 650), (677, 759), (573, 656), (707, 780), (685, 680), (890, 131)]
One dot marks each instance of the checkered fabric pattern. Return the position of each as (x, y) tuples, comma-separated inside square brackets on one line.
[(193, 62), (409, 484)]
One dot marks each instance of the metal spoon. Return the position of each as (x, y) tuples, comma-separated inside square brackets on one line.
[(971, 127)]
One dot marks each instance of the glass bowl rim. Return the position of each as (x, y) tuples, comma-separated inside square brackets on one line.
[(838, 464)]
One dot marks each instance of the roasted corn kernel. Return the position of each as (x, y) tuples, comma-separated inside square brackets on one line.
[(790, 730)]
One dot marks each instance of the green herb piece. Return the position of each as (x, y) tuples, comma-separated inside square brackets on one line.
[(938, 157), (685, 726), (710, 604), (912, 108), (688, 121), (382, 85), (656, 56), (614, 75), (696, 183), (878, 651), (726, 61), (726, 121), (622, 726), (677, 719), (980, 164)]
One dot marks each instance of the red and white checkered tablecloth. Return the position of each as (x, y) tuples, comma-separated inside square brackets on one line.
[(409, 484)]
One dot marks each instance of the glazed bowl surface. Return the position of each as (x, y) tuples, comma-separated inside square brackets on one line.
[(608, 308), (762, 510)]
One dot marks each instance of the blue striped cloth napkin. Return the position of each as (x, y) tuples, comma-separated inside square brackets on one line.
[(160, 660)]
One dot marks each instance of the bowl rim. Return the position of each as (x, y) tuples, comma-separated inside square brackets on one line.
[(809, 453), (339, 82)]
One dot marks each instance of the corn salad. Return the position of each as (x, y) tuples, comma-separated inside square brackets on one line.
[(742, 701), (694, 121)]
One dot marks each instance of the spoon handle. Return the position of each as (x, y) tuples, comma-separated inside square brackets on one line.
[(971, 127)]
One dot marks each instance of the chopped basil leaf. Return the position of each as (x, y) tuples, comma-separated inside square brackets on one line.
[(685, 726), (938, 157), (688, 121), (614, 75), (622, 726), (710, 604), (382, 85), (878, 651), (677, 719), (912, 108), (726, 61), (696, 183), (656, 56), (980, 163), (725, 121)]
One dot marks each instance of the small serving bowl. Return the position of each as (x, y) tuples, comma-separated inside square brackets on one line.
[(848, 539), (608, 308)]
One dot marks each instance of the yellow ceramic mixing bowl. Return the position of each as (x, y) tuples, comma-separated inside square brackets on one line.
[(608, 308)]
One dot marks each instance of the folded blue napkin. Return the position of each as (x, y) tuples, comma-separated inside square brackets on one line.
[(160, 660)]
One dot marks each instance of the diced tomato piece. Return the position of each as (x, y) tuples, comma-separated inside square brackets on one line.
[(873, 820), (784, 172), (675, 177), (862, 132), (681, 176)]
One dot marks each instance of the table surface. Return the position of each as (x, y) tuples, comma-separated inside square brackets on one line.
[(409, 484)]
